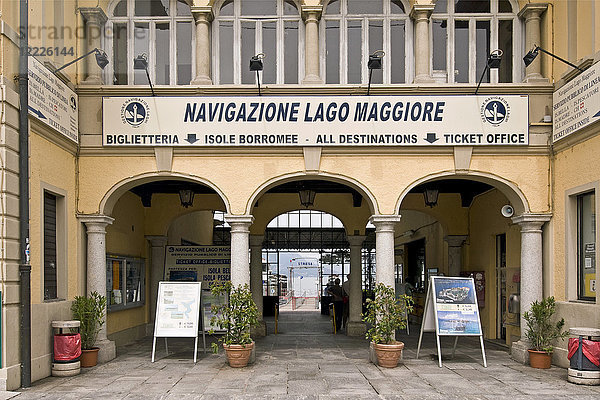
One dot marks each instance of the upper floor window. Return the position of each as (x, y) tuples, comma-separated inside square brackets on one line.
[(161, 29), (245, 28), (465, 32), (353, 29)]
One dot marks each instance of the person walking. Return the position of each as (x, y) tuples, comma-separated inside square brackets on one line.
[(337, 296)]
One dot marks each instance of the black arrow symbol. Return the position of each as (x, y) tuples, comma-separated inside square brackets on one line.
[(191, 138), (431, 138)]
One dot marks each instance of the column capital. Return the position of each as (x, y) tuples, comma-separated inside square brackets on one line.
[(532, 10), (356, 240), (93, 14), (531, 222), (202, 13), (384, 222), (256, 240), (95, 223), (420, 11), (157, 240), (311, 13), (239, 223), (455, 240)]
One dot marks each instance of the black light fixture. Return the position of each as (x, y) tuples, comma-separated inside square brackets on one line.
[(101, 59), (141, 62), (532, 54), (431, 196), (375, 62), (187, 197), (256, 64), (493, 62), (307, 197)]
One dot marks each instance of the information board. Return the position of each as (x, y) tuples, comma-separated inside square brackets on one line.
[(206, 264), (177, 309), (451, 310)]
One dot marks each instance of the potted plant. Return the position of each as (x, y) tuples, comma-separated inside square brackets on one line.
[(236, 317), (541, 331), (90, 313), (386, 313)]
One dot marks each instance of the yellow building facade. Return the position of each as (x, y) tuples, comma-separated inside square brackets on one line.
[(104, 205)]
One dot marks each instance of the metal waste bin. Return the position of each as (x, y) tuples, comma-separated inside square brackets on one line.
[(584, 356)]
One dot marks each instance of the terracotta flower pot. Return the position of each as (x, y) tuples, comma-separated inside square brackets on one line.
[(89, 358), (540, 359), (388, 354), (238, 354)]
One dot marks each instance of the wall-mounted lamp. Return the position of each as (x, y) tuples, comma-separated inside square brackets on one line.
[(256, 64), (101, 59), (493, 62), (431, 196), (375, 62), (141, 62), (187, 197), (307, 197), (532, 54)]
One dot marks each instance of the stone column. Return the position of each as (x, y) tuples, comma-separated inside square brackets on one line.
[(384, 247), (531, 273), (157, 270), (531, 13), (203, 16), (95, 18), (240, 261), (421, 13), (256, 283), (355, 325), (96, 273), (311, 16), (455, 243)]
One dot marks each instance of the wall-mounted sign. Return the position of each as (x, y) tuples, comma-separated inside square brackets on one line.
[(206, 264), (316, 121), (52, 102), (577, 104)]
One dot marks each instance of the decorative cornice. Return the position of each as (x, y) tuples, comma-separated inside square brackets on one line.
[(384, 222), (355, 240), (239, 223), (95, 223), (95, 14), (419, 9), (531, 221), (206, 11), (316, 11)]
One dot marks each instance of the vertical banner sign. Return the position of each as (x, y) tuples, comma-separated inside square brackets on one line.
[(177, 311), (206, 264), (451, 310)]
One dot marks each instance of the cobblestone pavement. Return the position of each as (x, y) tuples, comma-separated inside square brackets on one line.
[(306, 361)]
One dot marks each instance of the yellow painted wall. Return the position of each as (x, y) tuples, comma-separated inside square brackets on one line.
[(52, 165), (485, 222), (125, 237), (196, 227)]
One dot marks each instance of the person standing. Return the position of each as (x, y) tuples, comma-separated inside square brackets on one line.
[(337, 297)]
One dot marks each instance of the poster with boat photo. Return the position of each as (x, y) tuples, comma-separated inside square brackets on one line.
[(455, 306)]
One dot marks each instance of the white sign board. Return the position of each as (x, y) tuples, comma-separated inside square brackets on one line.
[(52, 102), (577, 104), (177, 309), (316, 121), (206, 264)]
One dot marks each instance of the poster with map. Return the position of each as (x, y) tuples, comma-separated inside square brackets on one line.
[(177, 309), (455, 306)]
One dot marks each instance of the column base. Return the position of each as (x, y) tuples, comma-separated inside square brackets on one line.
[(201, 80), (519, 353), (259, 330), (356, 329), (312, 80), (108, 351)]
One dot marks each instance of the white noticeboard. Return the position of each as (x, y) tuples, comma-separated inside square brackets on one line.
[(451, 310), (52, 102), (177, 311)]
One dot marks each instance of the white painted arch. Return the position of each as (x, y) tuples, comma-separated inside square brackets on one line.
[(511, 190), (325, 176), (118, 189)]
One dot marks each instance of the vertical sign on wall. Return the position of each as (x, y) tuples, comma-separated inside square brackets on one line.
[(451, 310)]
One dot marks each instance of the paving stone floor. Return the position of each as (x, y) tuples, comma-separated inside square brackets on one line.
[(305, 361)]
